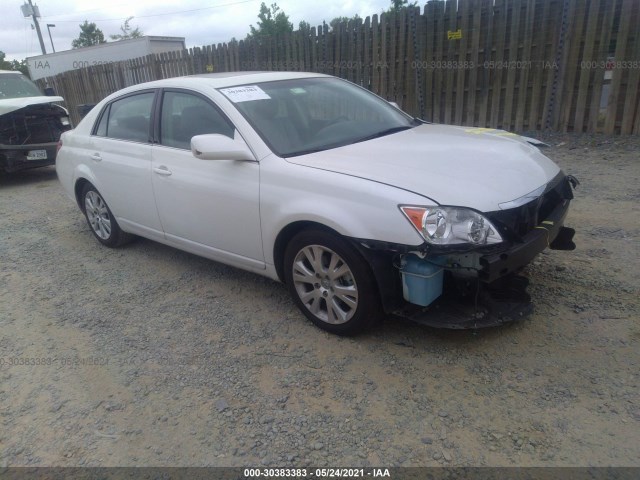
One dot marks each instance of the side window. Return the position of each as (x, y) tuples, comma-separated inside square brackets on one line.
[(101, 130), (128, 118), (185, 115)]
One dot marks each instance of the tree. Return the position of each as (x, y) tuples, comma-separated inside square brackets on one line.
[(398, 5), (4, 64), (271, 21), (127, 32), (21, 66), (304, 27), (338, 20), (14, 64), (90, 35)]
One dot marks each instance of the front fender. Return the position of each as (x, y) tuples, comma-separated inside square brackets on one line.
[(352, 206)]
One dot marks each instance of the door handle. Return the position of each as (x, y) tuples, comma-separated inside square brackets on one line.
[(162, 170), (96, 157)]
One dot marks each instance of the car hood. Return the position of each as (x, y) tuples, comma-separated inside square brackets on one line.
[(460, 166), (10, 104)]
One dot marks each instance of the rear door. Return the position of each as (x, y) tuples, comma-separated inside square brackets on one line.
[(120, 157), (209, 207)]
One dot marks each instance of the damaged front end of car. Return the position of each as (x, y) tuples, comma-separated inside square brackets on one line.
[(29, 132), (480, 280)]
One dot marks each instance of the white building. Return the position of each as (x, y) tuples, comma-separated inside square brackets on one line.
[(52, 64)]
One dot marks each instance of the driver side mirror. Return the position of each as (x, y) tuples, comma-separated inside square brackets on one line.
[(220, 147)]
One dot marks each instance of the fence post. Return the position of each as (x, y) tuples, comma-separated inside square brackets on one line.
[(559, 67), (619, 83), (417, 59)]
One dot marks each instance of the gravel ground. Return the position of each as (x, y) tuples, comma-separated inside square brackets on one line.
[(153, 357)]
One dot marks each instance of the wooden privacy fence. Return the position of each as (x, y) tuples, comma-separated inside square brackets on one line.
[(566, 65)]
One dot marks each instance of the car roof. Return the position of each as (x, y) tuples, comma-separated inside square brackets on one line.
[(215, 80), (225, 79)]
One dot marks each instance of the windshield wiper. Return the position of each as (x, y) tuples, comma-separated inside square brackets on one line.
[(317, 149), (304, 152), (383, 133)]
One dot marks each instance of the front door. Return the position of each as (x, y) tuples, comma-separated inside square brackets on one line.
[(210, 207)]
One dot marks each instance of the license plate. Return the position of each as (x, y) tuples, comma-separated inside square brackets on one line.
[(37, 155)]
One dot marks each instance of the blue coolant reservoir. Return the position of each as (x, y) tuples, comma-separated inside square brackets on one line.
[(421, 279)]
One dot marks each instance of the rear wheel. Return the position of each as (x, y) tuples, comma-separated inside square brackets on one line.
[(100, 219), (331, 283)]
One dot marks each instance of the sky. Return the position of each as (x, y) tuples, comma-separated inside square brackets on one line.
[(201, 22)]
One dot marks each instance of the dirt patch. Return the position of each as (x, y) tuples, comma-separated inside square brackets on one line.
[(150, 356)]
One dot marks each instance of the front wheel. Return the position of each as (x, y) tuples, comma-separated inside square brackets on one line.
[(100, 219), (331, 283)]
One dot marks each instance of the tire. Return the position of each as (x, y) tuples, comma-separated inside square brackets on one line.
[(345, 302), (101, 221)]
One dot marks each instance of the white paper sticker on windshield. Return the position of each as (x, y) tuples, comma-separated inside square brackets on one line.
[(247, 93)]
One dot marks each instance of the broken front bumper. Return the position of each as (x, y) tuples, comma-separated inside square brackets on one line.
[(481, 285), (14, 157), (550, 233)]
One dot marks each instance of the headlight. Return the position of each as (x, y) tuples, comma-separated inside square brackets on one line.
[(451, 225)]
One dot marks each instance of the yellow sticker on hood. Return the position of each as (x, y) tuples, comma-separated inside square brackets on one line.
[(492, 131)]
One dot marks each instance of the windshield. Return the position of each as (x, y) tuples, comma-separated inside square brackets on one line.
[(308, 115), (17, 86)]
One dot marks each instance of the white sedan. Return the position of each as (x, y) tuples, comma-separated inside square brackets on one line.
[(308, 179)]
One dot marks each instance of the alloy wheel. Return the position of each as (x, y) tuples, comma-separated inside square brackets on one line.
[(325, 284), (98, 215)]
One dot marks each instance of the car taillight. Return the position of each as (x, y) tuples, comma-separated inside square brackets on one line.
[(59, 146)]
